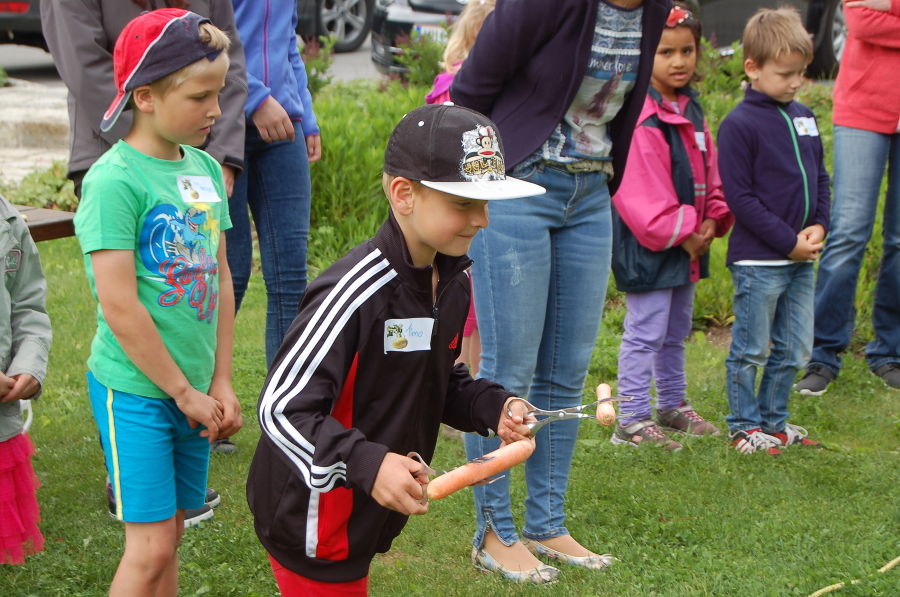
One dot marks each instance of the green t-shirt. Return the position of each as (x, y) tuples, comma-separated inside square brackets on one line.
[(170, 214)]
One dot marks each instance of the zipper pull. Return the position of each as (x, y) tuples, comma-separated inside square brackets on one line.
[(437, 318)]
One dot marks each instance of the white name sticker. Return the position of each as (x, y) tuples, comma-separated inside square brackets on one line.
[(197, 189), (701, 140), (408, 335), (806, 126)]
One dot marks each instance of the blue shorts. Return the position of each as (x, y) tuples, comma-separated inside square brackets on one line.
[(156, 462)]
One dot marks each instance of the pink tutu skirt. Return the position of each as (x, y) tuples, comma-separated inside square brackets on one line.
[(19, 514)]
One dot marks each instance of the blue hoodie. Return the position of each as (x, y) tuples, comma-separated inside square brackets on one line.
[(274, 66), (773, 173)]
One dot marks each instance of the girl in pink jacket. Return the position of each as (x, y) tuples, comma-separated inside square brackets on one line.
[(668, 209)]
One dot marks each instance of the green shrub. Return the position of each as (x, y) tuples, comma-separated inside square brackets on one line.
[(348, 204), (422, 55), (47, 188), (318, 56), (3, 77)]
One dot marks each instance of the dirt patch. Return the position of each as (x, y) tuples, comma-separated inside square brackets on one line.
[(719, 336)]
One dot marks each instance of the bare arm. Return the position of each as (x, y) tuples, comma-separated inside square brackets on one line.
[(221, 388), (133, 327)]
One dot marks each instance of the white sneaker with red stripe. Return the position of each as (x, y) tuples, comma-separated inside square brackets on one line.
[(754, 440)]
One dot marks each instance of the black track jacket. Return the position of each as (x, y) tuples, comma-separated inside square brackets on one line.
[(359, 375)]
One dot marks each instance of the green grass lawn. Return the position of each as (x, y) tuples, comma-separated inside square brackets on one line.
[(704, 521)]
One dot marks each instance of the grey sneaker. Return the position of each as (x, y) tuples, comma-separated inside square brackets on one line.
[(890, 373), (815, 381), (642, 432), (686, 420), (223, 445)]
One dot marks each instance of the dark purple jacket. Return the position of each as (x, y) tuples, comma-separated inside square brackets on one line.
[(529, 62), (774, 188)]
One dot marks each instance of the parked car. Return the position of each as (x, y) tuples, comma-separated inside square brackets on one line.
[(20, 23), (347, 20), (723, 21)]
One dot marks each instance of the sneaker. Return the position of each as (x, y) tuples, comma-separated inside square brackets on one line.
[(223, 445), (643, 432), (212, 497), (754, 440), (192, 517), (815, 381), (793, 435), (686, 420), (890, 373)]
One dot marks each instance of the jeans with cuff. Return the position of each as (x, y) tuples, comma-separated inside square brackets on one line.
[(773, 307), (540, 275), (656, 326), (859, 160), (275, 187)]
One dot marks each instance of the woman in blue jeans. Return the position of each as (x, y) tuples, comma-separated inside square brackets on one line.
[(282, 139), (564, 81), (866, 138)]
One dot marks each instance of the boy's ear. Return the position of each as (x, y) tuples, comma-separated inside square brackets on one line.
[(400, 194), (751, 69), (143, 99)]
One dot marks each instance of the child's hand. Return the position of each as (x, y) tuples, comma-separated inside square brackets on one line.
[(272, 122), (805, 250), (511, 428), (814, 234), (396, 489), (25, 387), (232, 419), (202, 409), (6, 386), (708, 231), (695, 246)]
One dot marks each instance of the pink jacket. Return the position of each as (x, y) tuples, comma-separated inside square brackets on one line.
[(646, 200), (865, 93)]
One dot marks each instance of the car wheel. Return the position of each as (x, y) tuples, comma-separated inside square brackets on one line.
[(830, 39), (348, 21)]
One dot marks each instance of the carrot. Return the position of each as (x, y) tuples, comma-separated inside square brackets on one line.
[(606, 412), (471, 473)]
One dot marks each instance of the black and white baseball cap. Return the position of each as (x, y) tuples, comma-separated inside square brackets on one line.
[(455, 150)]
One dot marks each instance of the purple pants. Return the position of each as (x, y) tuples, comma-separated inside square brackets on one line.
[(656, 326)]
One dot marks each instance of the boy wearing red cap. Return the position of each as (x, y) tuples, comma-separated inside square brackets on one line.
[(366, 372), (151, 225)]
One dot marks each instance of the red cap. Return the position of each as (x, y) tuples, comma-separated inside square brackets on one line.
[(154, 44)]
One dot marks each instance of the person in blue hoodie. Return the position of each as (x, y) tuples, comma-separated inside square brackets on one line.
[(282, 139), (775, 182)]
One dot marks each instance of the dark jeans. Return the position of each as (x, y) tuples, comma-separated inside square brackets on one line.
[(275, 187)]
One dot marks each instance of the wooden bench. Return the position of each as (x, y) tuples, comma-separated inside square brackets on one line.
[(47, 224)]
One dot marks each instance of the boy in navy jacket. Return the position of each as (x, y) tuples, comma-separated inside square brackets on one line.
[(366, 372), (775, 182)]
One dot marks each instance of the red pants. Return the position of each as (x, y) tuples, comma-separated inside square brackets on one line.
[(292, 584)]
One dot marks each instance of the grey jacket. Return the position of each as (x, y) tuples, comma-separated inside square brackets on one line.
[(81, 35), (24, 325)]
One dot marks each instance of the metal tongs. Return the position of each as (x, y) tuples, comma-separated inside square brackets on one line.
[(573, 412)]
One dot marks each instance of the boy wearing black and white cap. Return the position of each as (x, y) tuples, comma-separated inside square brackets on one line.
[(365, 374)]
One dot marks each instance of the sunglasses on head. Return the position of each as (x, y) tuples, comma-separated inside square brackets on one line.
[(677, 16)]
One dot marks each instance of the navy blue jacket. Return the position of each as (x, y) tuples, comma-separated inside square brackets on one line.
[(773, 174), (528, 63)]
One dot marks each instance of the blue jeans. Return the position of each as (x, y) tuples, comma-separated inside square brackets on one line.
[(540, 276), (275, 187), (859, 159), (773, 305)]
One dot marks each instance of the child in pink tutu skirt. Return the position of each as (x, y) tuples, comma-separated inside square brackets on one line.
[(24, 346)]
